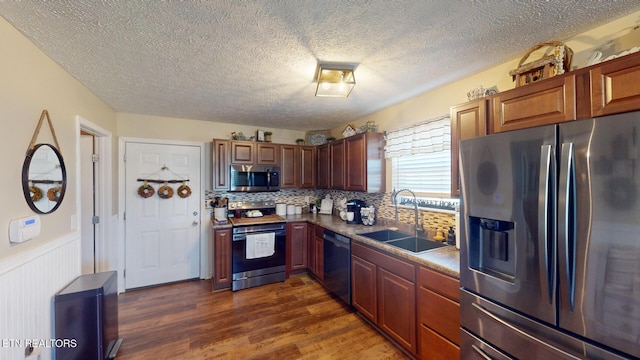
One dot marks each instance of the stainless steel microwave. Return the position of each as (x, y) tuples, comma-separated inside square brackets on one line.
[(250, 178)]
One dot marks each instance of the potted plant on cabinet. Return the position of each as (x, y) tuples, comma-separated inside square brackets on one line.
[(331, 138), (300, 141), (267, 136)]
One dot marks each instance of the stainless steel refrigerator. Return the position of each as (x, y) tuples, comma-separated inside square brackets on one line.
[(550, 250)]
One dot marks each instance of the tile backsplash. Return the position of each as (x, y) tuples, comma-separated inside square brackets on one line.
[(430, 221)]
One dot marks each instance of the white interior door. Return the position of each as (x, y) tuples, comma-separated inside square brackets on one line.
[(87, 208), (162, 236)]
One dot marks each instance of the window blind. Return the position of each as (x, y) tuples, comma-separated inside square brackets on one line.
[(430, 136), (421, 158)]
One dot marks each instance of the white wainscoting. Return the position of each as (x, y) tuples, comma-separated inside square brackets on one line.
[(28, 283)]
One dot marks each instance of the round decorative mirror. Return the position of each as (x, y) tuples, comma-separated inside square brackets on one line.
[(44, 178)]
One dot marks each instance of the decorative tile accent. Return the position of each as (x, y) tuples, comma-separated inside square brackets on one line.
[(429, 221)]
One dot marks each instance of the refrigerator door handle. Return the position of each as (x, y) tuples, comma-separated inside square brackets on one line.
[(522, 332), (546, 224), (566, 222)]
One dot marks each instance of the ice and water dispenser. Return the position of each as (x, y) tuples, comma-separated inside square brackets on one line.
[(492, 247)]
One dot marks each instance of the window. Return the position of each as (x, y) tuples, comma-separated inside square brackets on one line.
[(425, 173), (421, 157)]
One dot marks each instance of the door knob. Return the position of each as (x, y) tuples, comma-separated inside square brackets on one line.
[(194, 223)]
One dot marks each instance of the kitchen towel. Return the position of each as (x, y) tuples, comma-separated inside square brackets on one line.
[(260, 245)]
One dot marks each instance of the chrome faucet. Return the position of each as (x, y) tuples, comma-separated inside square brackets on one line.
[(415, 207)]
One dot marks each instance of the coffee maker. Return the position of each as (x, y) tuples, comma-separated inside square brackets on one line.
[(354, 206)]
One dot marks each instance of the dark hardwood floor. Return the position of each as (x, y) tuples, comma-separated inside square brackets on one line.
[(296, 319)]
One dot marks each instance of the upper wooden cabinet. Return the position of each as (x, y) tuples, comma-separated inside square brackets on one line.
[(242, 152), (356, 163), (468, 120), (251, 153), (550, 101), (267, 154), (289, 166), (337, 165), (220, 164), (365, 163), (615, 86), (307, 167), (322, 175)]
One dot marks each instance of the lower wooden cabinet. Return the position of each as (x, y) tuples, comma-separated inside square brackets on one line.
[(296, 247), (383, 290), (364, 296), (396, 308), (315, 251), (438, 301), (222, 258), (437, 347)]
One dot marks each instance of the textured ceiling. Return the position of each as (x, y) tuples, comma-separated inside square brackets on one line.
[(253, 62)]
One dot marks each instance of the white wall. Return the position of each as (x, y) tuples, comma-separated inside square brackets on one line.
[(32, 272), (157, 127)]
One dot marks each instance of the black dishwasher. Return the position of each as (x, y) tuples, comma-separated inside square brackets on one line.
[(337, 265)]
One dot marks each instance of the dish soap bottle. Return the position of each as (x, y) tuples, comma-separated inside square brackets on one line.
[(451, 237)]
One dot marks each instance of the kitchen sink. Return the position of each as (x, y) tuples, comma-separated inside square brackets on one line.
[(385, 235), (415, 244), (403, 240)]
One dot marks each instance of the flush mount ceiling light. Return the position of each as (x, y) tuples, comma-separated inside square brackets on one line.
[(335, 80)]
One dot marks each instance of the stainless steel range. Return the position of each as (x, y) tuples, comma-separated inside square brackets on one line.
[(259, 244)]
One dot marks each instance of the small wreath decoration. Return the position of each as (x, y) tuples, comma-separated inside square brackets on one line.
[(184, 191), (165, 192), (53, 194), (36, 193), (146, 190)]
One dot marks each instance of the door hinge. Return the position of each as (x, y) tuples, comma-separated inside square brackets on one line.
[(124, 273), (124, 157), (95, 220), (95, 158), (124, 215)]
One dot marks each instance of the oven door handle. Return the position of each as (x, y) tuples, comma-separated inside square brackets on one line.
[(243, 236)]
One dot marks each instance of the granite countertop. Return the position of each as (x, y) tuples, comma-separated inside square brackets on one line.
[(445, 259)]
